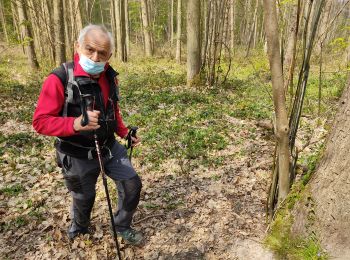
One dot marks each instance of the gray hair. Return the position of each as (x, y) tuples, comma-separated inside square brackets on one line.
[(101, 28)]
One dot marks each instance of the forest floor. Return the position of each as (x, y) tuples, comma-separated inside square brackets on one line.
[(205, 163)]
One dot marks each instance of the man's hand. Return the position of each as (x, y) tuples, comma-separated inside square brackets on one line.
[(135, 141), (93, 122)]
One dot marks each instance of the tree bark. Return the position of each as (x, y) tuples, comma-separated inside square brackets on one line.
[(27, 36), (67, 31), (59, 32), (323, 26), (252, 27), (193, 41), (282, 129), (120, 29), (328, 214), (171, 23), (146, 28), (127, 28), (289, 60), (178, 31), (3, 22), (232, 24)]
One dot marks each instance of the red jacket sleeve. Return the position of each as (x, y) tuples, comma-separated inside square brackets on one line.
[(47, 119), (122, 130)]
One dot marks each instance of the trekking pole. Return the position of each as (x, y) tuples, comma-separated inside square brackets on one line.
[(132, 133), (88, 103)]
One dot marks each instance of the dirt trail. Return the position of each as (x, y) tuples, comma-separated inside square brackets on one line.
[(209, 213)]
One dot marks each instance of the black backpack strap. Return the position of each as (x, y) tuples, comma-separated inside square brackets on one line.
[(66, 75), (113, 87)]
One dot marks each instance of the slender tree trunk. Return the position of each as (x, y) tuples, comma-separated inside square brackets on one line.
[(232, 23), (127, 28), (59, 32), (172, 23), (146, 28), (120, 29), (323, 26), (27, 36), (101, 13), (16, 23), (35, 25), (193, 41), (290, 57), (77, 14), (178, 32), (142, 35), (292, 40), (3, 22), (67, 32), (113, 26), (252, 27), (282, 129), (47, 23)]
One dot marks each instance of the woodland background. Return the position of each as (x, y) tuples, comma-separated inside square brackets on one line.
[(195, 77)]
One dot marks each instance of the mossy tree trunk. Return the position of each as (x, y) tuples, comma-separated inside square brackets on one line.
[(328, 216)]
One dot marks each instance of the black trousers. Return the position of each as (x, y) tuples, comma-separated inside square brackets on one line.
[(81, 176)]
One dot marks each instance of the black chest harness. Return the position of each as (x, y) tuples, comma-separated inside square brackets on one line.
[(82, 144)]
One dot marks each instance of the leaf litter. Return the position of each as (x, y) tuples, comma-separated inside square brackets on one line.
[(197, 215), (213, 212)]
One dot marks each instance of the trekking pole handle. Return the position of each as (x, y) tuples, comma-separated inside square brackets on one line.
[(132, 133), (87, 104)]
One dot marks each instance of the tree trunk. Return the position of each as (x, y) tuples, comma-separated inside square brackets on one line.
[(16, 23), (193, 41), (171, 23), (76, 23), (178, 32), (78, 18), (67, 31), (3, 22), (35, 25), (120, 29), (323, 26), (232, 24), (282, 129), (328, 214), (27, 35), (289, 60), (47, 19), (252, 27), (59, 32), (113, 27), (146, 28), (127, 28)]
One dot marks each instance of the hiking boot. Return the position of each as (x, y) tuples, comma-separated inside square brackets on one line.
[(131, 236), (75, 230)]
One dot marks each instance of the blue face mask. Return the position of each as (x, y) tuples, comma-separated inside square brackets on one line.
[(89, 66)]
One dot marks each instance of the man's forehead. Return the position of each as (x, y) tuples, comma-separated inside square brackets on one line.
[(97, 36)]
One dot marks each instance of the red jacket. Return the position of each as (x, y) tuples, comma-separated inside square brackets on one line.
[(47, 119)]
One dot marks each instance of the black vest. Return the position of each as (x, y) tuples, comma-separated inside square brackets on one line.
[(82, 145)]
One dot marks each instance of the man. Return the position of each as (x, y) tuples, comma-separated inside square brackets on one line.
[(59, 113)]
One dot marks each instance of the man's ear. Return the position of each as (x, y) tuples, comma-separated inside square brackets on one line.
[(110, 56)]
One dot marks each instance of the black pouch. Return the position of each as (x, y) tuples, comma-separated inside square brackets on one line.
[(73, 183), (58, 160)]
